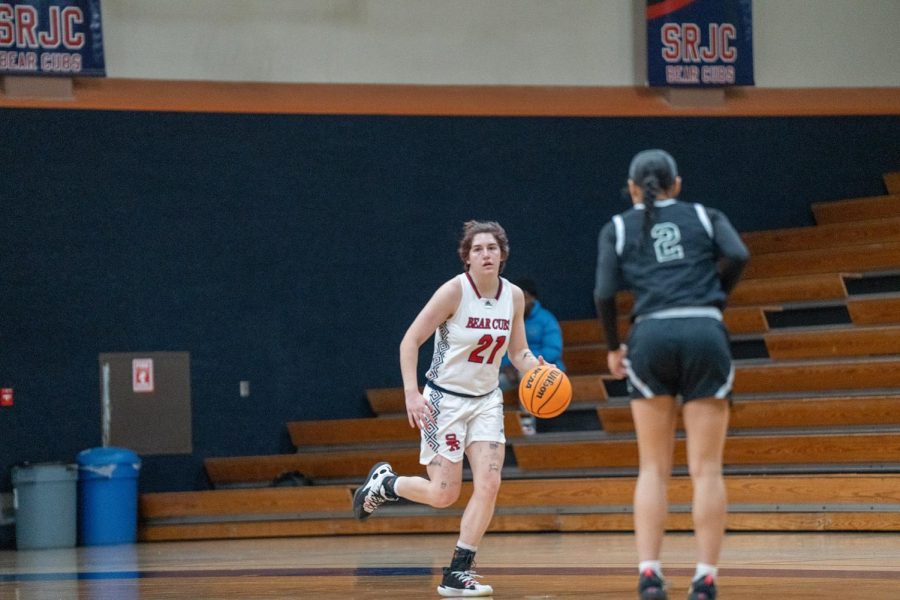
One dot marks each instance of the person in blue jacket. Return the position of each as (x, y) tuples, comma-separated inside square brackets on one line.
[(544, 337)]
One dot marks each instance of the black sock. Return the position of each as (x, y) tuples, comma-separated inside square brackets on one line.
[(388, 487), (462, 559)]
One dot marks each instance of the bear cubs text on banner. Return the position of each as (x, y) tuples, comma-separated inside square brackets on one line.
[(51, 37), (699, 43)]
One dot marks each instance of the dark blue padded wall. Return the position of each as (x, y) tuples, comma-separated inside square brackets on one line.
[(293, 251)]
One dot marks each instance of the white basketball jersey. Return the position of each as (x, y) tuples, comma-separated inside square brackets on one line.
[(469, 345)]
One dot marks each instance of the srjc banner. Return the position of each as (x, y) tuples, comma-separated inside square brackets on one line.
[(51, 37), (699, 43)]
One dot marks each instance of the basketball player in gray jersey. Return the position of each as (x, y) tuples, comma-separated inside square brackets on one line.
[(680, 260)]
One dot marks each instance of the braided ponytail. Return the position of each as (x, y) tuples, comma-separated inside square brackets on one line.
[(654, 171), (650, 191)]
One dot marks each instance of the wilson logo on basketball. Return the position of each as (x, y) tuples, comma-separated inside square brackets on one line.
[(548, 383), (545, 391)]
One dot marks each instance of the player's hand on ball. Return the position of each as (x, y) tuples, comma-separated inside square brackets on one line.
[(541, 361)]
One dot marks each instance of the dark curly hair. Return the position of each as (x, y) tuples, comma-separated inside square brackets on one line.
[(471, 229)]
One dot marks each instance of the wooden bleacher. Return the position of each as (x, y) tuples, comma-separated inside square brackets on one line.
[(839, 341), (886, 229), (870, 209), (390, 401), (814, 442), (763, 448), (785, 411), (387, 428), (859, 258), (766, 377), (875, 310), (797, 288), (892, 182), (854, 501), (777, 290), (322, 464)]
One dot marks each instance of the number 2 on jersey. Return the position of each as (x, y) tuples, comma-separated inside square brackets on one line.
[(483, 344), (667, 242)]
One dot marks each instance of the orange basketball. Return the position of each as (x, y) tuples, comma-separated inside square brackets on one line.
[(545, 391)]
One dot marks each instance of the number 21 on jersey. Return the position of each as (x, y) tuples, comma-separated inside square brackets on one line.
[(485, 343)]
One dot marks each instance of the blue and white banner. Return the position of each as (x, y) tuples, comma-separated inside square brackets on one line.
[(51, 37), (699, 43)]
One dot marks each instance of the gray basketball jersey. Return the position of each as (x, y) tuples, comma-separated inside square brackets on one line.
[(674, 263)]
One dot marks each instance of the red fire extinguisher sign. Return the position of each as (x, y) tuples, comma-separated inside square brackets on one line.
[(142, 374)]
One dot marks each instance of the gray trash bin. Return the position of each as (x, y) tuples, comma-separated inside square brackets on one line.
[(45, 497)]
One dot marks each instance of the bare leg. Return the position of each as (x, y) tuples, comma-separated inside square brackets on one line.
[(440, 490), (654, 422), (486, 461), (706, 424)]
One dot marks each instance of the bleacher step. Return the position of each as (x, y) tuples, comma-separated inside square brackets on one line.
[(770, 502)]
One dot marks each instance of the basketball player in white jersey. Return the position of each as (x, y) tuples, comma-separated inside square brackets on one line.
[(475, 318)]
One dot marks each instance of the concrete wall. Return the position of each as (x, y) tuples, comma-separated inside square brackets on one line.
[(797, 43)]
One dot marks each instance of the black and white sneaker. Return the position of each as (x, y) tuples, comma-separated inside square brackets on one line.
[(651, 586), (462, 584), (372, 494), (703, 589)]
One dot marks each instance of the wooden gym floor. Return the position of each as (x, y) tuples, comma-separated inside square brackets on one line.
[(754, 566)]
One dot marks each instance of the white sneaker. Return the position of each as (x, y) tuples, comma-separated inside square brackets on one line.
[(462, 584), (371, 494)]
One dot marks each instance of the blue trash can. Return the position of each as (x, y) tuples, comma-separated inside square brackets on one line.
[(107, 496), (44, 497)]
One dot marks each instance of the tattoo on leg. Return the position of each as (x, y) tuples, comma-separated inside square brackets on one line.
[(494, 445), (443, 485), (495, 467)]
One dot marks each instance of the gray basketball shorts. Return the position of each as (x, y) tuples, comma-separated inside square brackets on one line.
[(686, 357)]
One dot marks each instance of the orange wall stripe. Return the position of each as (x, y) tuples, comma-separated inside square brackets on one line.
[(472, 100)]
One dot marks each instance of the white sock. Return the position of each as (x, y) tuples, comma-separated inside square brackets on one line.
[(655, 565), (704, 569), (464, 546)]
